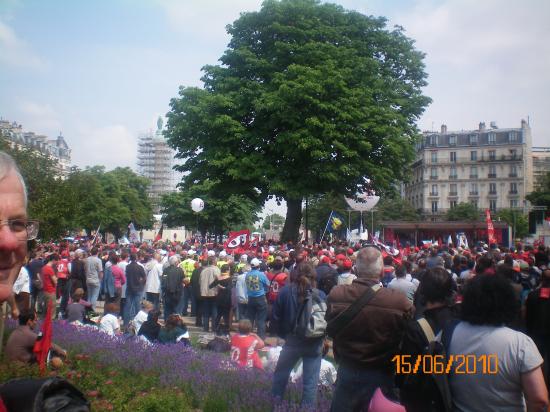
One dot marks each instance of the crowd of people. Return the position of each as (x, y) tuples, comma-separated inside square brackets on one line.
[(364, 305)]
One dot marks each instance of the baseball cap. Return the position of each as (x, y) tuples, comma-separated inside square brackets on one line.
[(211, 253), (341, 257), (255, 262)]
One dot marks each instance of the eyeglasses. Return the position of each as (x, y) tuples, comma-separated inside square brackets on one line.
[(22, 228)]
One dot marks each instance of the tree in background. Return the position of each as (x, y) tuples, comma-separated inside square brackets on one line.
[(463, 212), (219, 215), (516, 219), (541, 196), (309, 98), (273, 221), (85, 199)]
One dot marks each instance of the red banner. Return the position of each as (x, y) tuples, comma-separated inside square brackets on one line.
[(490, 229), (240, 239), (42, 346)]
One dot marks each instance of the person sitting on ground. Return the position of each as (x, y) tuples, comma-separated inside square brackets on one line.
[(141, 317), (174, 331), (76, 311), (109, 322), (150, 329), (19, 347), (327, 374), (245, 345)]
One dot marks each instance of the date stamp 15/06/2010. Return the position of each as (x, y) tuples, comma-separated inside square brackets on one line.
[(439, 364)]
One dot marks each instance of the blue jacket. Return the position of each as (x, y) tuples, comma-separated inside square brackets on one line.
[(286, 308), (257, 283), (108, 283)]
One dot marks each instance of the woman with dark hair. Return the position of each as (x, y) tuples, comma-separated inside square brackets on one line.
[(78, 275), (174, 331), (435, 294), (501, 366), (151, 327), (289, 302)]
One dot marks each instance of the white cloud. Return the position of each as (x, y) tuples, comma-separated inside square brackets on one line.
[(111, 146), (487, 61), (15, 51), (39, 117), (205, 19)]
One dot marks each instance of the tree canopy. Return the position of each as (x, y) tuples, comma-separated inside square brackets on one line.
[(463, 212), (309, 98), (541, 195)]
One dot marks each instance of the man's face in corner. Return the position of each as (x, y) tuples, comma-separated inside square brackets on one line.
[(13, 248)]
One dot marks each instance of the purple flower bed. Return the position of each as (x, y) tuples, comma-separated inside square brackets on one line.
[(210, 378)]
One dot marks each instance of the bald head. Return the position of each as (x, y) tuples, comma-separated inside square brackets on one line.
[(369, 263)]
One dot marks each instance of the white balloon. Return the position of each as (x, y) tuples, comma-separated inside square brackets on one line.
[(197, 205), (367, 202)]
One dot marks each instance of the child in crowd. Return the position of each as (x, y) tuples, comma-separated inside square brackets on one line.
[(141, 317), (245, 345), (76, 310), (109, 322)]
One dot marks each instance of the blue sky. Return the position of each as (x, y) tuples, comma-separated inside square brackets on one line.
[(102, 71)]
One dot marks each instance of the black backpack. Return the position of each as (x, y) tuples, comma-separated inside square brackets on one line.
[(430, 391)]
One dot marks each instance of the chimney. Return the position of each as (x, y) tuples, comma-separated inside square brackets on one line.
[(443, 128), (494, 125), (481, 126), (523, 124)]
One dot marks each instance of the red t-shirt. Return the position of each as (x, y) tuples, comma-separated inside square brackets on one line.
[(276, 282), (47, 272), (243, 351), (63, 269)]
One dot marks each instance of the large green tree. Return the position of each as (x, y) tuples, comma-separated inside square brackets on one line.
[(516, 219), (541, 195), (309, 98)]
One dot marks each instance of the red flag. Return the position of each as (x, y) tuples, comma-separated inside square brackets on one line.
[(397, 243), (42, 346), (238, 239), (490, 228), (159, 234)]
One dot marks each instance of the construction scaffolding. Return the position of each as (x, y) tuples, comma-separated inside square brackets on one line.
[(155, 162)]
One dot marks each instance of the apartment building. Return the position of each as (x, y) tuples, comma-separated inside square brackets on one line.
[(491, 168)]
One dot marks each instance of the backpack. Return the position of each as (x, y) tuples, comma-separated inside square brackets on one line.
[(310, 321), (432, 388)]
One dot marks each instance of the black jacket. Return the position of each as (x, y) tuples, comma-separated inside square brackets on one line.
[(135, 277)]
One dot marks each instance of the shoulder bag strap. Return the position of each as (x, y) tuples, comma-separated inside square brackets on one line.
[(336, 325), (427, 329)]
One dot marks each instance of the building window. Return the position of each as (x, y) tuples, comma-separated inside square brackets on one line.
[(492, 138), (433, 173), (434, 190), (434, 157), (513, 188), (492, 171), (473, 202), (514, 203), (453, 157), (452, 203), (473, 172), (492, 188), (513, 171), (513, 154), (452, 140), (432, 140), (473, 139), (473, 189), (492, 155), (473, 155), (512, 137), (493, 205), (434, 206), (452, 190), (452, 173)]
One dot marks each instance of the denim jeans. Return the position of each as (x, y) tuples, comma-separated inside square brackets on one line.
[(309, 350), (132, 306), (355, 387), (209, 310), (257, 313), (242, 309), (171, 305), (93, 294), (183, 304)]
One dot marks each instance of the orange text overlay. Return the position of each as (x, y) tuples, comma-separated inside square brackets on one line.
[(439, 364)]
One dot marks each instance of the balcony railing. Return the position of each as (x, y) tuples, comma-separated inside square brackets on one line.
[(473, 176), (453, 193), (513, 175), (492, 192), (433, 177), (474, 193), (453, 177), (513, 192), (492, 175)]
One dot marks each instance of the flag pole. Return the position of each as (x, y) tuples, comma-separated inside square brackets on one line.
[(326, 227)]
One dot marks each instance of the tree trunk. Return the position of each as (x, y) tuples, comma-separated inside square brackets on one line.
[(291, 230)]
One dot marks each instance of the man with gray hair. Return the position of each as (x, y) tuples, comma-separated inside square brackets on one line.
[(15, 228), (366, 323)]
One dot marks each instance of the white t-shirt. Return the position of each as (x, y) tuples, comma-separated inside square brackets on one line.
[(327, 374), (152, 285), (405, 286), (139, 319), (346, 278), (22, 283), (500, 392), (122, 264), (109, 324)]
